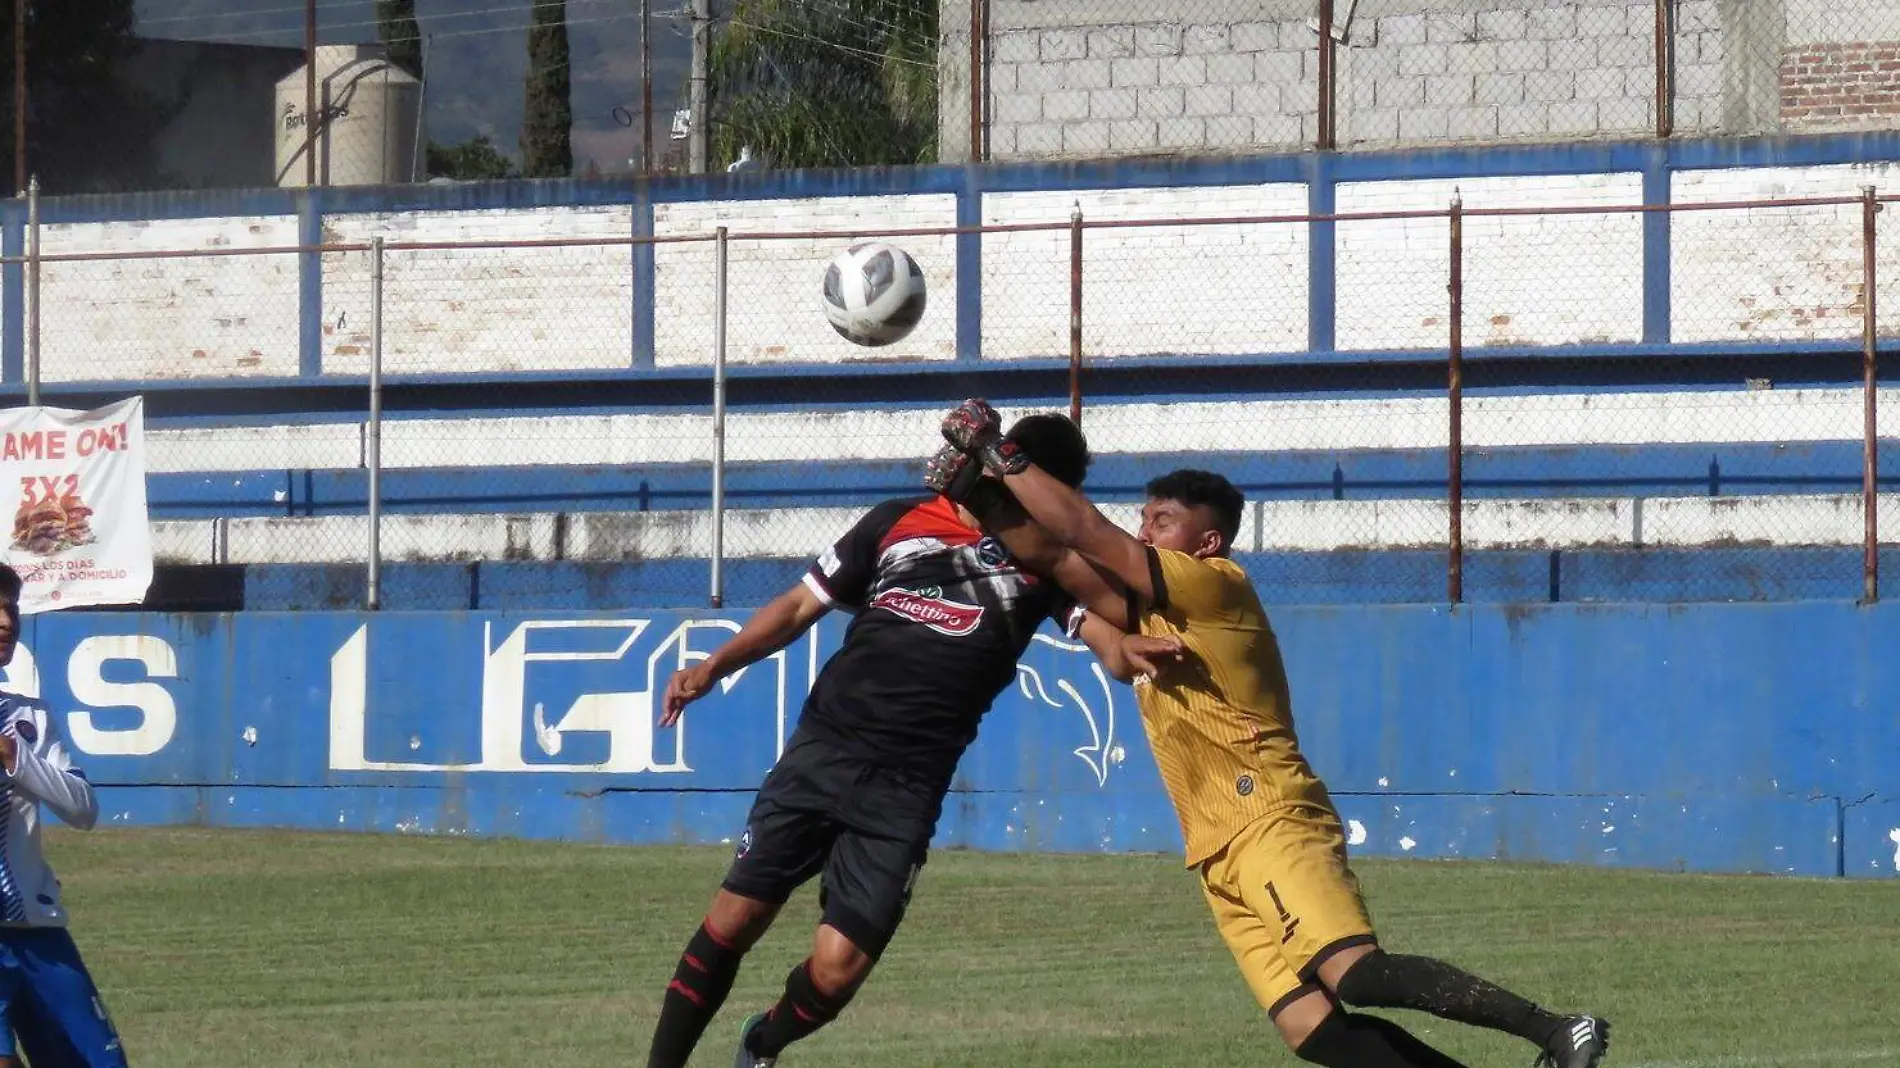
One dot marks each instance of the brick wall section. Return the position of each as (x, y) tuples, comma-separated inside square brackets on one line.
[(1840, 85)]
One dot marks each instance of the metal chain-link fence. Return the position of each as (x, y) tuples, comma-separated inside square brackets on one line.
[(1214, 76), (1493, 390)]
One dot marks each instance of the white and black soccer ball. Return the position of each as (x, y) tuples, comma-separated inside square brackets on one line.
[(874, 294)]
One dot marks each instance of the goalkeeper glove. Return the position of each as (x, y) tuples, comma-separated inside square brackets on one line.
[(975, 429)]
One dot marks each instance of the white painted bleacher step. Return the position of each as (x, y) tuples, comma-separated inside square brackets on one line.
[(1311, 526)]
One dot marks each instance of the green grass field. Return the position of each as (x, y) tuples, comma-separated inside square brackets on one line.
[(219, 948)]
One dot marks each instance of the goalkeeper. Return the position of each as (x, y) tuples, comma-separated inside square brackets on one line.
[(1260, 827)]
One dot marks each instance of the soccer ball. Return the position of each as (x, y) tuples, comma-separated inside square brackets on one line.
[(874, 294)]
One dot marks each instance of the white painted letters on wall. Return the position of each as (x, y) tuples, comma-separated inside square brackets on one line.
[(158, 710)]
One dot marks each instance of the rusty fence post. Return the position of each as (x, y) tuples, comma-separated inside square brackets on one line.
[(1455, 394), (33, 290), (373, 430), (979, 79), (717, 595), (646, 87), (1328, 76), (1665, 68), (1870, 368), (1075, 314)]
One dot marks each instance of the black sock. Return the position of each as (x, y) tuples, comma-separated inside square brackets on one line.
[(700, 985), (1350, 1040), (800, 1012), (1401, 981)]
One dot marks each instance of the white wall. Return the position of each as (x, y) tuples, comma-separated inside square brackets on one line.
[(1779, 274), (1227, 288), (774, 304), (1529, 279), (1223, 289), (498, 309), (182, 317), (1834, 22)]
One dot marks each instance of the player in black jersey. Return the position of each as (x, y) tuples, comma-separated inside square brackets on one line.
[(943, 613)]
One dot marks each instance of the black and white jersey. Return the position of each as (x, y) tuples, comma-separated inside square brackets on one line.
[(943, 613)]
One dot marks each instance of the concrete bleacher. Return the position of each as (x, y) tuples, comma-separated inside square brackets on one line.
[(1711, 520)]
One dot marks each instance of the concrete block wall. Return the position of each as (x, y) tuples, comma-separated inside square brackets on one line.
[(1075, 79), (1510, 71)]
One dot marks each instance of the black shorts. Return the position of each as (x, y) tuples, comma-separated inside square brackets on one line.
[(867, 830)]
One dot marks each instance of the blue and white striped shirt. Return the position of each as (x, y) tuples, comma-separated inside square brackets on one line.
[(40, 773)]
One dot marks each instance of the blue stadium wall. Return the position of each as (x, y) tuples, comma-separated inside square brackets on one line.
[(1722, 738)]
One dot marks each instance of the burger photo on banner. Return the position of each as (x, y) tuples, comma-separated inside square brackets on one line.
[(80, 533)]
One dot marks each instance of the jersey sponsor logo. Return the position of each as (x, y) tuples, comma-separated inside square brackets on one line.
[(929, 607), (991, 553)]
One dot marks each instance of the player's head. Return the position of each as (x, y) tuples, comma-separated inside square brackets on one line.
[(1193, 512), (9, 613), (1054, 444)]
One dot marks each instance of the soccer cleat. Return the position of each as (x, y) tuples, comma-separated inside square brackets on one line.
[(745, 1058), (1580, 1043)]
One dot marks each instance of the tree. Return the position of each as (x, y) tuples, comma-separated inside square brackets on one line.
[(401, 35), (826, 83), (79, 98), (474, 160), (546, 123)]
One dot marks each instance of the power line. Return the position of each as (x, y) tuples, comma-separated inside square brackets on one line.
[(863, 52), (216, 15), (512, 9)]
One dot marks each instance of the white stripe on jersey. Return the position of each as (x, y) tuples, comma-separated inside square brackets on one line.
[(42, 774)]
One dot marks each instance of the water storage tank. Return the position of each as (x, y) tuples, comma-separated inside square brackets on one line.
[(370, 121)]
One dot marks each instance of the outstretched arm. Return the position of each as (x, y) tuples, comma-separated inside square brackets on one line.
[(1100, 592), (1048, 533), (1072, 520), (1130, 656), (770, 629)]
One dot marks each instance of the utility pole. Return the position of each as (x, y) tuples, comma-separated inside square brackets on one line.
[(646, 87), (310, 93), (700, 137), (19, 97)]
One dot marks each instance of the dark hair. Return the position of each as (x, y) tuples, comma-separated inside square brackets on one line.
[(1198, 489), (9, 583), (1054, 444)]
